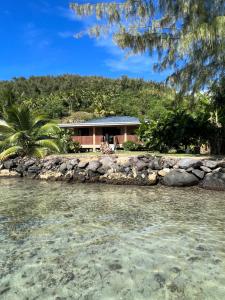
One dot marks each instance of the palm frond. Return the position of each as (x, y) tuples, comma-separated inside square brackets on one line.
[(9, 152), (5, 128), (39, 120), (48, 129), (49, 144), (39, 152)]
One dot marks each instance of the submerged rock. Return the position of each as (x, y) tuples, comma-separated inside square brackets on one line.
[(214, 181), (180, 178)]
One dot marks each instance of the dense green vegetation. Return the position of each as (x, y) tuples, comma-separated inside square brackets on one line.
[(25, 134), (168, 122), (77, 98)]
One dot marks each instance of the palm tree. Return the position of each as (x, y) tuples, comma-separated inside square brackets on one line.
[(25, 134)]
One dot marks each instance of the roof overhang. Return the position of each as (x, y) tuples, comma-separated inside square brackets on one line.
[(106, 124)]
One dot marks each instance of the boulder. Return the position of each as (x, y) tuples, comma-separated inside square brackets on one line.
[(29, 163), (200, 174), (155, 164), (152, 178), (205, 169), (82, 164), (141, 165), (212, 164), (34, 169), (214, 181), (94, 165), (179, 178), (9, 164), (50, 175), (163, 172), (63, 168), (108, 162), (186, 163)]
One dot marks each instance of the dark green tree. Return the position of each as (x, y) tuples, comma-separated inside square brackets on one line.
[(188, 35)]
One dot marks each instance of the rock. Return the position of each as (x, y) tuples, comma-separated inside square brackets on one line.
[(74, 162), (108, 162), (29, 163), (169, 162), (212, 164), (155, 164), (82, 164), (63, 168), (93, 165), (69, 175), (8, 173), (67, 278), (214, 181), (141, 165), (163, 172), (9, 164), (34, 169), (217, 170), (179, 178), (205, 169), (80, 177), (152, 178), (190, 170), (186, 163), (101, 170), (200, 174), (51, 175)]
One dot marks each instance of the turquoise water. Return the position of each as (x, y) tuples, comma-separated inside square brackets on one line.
[(101, 242)]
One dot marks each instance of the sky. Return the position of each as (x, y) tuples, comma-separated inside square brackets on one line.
[(38, 39)]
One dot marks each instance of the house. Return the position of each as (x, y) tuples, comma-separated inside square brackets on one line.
[(114, 130)]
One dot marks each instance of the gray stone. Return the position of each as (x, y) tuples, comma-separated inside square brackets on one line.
[(94, 165), (169, 162), (200, 174), (217, 170), (34, 169), (179, 178), (155, 164), (214, 181), (141, 165), (82, 164), (108, 162), (205, 169), (63, 168), (212, 164), (9, 164), (186, 163)]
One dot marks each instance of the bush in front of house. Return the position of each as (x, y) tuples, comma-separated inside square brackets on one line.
[(68, 145), (131, 146)]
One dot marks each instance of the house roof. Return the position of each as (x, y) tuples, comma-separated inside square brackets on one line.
[(107, 121)]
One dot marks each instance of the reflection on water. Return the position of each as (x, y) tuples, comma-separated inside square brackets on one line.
[(61, 241)]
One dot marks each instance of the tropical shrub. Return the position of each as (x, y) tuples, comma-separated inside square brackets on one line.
[(177, 130), (25, 134), (130, 146), (68, 145)]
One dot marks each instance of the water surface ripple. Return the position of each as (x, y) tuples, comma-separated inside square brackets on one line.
[(101, 242)]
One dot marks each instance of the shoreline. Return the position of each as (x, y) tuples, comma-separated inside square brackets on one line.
[(142, 170)]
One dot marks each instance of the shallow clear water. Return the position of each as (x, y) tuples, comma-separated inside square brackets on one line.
[(61, 241)]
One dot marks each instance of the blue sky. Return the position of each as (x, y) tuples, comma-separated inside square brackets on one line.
[(37, 39)]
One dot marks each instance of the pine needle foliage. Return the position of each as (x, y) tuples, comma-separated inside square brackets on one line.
[(188, 35)]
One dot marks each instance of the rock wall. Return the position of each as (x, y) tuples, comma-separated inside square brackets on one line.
[(138, 170)]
